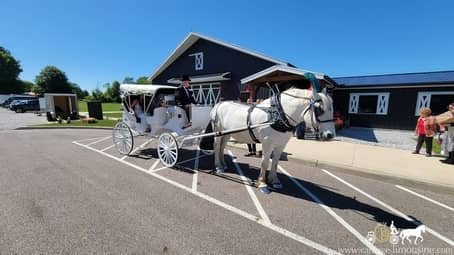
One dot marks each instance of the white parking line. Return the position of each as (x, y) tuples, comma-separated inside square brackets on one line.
[(195, 176), (184, 161), (226, 206), (97, 141), (89, 139), (426, 198), (154, 165), (395, 211), (330, 211), (108, 147), (136, 149), (248, 183)]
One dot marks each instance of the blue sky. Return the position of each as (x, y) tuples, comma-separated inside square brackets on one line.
[(96, 42)]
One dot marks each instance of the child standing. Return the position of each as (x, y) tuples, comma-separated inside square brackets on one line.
[(425, 130)]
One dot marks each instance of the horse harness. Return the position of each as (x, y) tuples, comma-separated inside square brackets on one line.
[(280, 120)]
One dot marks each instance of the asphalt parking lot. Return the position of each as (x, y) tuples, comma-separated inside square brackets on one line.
[(12, 120), (70, 191)]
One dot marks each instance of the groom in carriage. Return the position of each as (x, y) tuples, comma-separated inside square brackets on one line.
[(185, 96)]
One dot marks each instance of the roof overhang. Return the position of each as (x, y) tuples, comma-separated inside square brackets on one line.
[(203, 78), (192, 38), (60, 94), (280, 73)]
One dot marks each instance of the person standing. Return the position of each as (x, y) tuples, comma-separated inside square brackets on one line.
[(185, 96), (450, 138), (425, 131)]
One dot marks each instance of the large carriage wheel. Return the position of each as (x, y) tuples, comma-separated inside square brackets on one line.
[(122, 138), (168, 149)]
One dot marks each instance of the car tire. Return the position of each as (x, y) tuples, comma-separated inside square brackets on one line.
[(19, 110)]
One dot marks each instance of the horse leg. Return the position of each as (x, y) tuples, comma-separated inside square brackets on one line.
[(272, 177), (217, 154), (261, 182), (221, 157)]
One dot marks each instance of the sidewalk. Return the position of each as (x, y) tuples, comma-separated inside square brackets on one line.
[(371, 159)]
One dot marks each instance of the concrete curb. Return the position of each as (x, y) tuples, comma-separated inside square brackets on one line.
[(371, 173), (66, 127)]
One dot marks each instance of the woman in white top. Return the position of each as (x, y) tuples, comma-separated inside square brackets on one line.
[(138, 112)]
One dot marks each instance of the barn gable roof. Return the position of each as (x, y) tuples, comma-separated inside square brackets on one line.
[(194, 37)]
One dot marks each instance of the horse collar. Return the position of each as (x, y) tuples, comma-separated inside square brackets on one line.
[(280, 121)]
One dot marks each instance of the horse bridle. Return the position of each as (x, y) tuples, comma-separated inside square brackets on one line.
[(316, 110)]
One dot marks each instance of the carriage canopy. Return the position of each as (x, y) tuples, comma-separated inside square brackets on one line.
[(143, 89)]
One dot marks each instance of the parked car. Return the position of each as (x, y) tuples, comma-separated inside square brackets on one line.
[(8, 101), (14, 102), (25, 105)]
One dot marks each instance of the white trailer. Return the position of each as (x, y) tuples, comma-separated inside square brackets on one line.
[(59, 104)]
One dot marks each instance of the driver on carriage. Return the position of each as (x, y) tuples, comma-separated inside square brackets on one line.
[(184, 96)]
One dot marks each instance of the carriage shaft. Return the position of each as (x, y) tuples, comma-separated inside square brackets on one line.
[(225, 132)]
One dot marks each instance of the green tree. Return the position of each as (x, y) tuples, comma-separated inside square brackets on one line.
[(76, 90), (115, 92), (53, 80), (143, 80), (128, 79), (107, 97), (97, 94), (28, 86), (9, 73), (85, 94)]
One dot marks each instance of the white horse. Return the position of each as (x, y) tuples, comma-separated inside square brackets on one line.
[(298, 105), (406, 233)]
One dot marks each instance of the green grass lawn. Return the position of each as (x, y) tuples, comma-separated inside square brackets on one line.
[(436, 148), (106, 107), (78, 123)]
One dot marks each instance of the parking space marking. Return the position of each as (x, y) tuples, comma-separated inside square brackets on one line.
[(94, 138), (395, 211), (247, 184), (196, 169), (184, 161), (97, 141), (425, 198), (108, 147), (330, 211), (155, 164), (138, 148), (224, 205)]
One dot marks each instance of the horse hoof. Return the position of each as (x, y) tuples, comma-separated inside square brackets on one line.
[(220, 170), (278, 185), (265, 190)]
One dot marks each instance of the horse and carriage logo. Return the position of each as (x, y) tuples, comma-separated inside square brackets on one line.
[(382, 234)]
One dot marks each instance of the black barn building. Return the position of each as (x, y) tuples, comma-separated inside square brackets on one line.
[(215, 67), (394, 100)]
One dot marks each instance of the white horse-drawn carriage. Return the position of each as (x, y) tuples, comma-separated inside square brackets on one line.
[(270, 123), (157, 115)]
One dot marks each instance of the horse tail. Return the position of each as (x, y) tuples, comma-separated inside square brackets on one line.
[(207, 143)]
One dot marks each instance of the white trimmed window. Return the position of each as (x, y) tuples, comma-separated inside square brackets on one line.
[(207, 93), (368, 103), (198, 60), (435, 100)]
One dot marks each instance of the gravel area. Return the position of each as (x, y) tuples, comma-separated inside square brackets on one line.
[(401, 139), (12, 120)]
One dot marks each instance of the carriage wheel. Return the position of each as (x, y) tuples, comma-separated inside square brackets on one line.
[(168, 149), (122, 138)]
